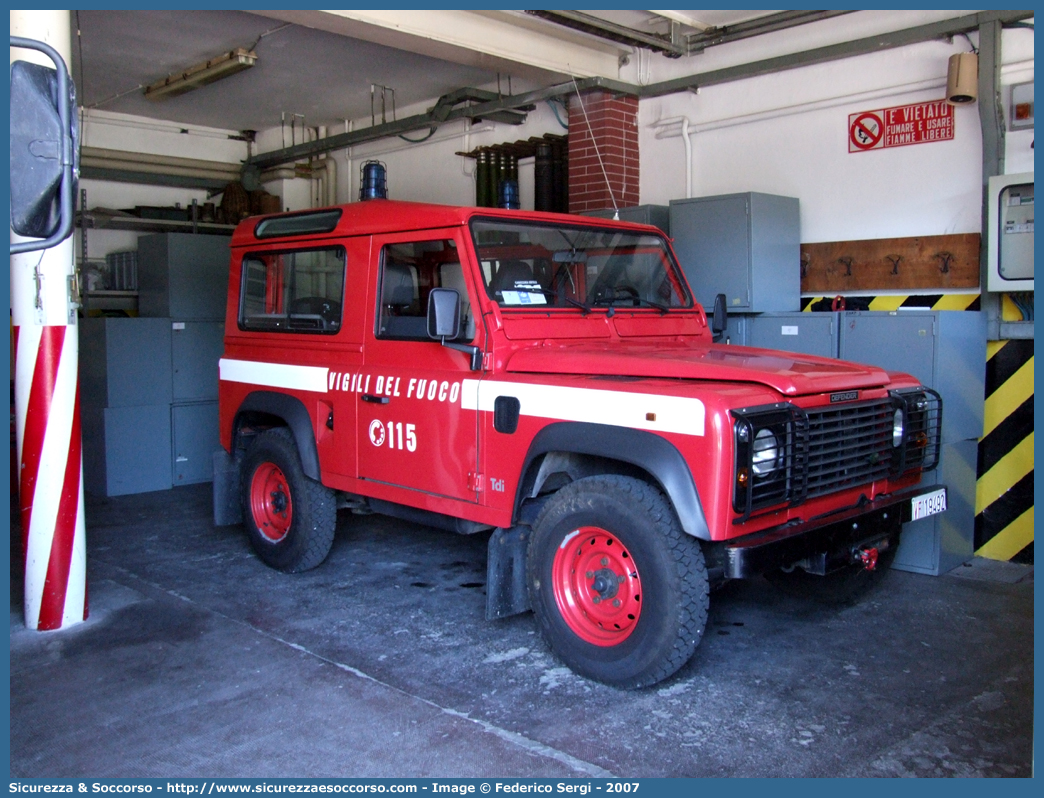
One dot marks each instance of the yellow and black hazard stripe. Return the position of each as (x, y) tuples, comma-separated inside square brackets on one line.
[(894, 302), (1004, 488)]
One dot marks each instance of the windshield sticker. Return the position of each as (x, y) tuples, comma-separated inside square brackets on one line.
[(527, 292)]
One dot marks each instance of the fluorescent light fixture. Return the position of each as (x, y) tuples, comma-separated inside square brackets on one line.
[(201, 74)]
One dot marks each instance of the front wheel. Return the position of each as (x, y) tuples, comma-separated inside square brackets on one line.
[(290, 519), (619, 590)]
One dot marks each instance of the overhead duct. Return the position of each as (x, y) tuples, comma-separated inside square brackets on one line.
[(119, 166)]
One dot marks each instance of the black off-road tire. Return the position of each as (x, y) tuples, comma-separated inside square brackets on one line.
[(838, 589), (608, 522), (290, 519)]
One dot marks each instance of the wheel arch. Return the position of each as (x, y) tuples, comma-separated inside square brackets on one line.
[(605, 448), (271, 409)]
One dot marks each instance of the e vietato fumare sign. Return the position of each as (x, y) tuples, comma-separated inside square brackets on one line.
[(919, 123)]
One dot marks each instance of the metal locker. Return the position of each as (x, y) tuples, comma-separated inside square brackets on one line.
[(940, 543), (183, 276), (737, 330), (124, 362), (804, 333), (945, 350), (196, 347), (194, 428), (126, 449), (746, 246)]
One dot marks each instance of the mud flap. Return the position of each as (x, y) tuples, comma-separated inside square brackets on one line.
[(227, 509), (506, 591)]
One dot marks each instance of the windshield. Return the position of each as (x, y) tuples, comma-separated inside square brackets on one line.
[(539, 265)]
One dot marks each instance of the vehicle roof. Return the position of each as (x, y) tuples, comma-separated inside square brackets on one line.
[(391, 216)]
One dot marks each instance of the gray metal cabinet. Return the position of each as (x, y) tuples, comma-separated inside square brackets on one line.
[(126, 449), (196, 347), (656, 215), (940, 543), (183, 276), (124, 362), (194, 430), (148, 389), (945, 350), (737, 330), (804, 333), (746, 246)]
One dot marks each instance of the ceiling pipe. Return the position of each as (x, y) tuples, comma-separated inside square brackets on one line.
[(444, 113), (144, 168)]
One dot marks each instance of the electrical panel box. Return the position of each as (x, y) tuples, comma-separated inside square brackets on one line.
[(656, 215), (124, 362), (746, 246), (804, 333), (941, 542), (194, 427), (1010, 240), (196, 348), (183, 276), (944, 349)]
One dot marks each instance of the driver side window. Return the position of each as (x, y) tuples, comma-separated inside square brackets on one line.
[(408, 273)]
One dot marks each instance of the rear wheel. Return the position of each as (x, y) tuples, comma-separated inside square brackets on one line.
[(290, 519), (619, 590), (839, 588)]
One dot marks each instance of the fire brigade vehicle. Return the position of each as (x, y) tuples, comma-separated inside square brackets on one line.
[(549, 380)]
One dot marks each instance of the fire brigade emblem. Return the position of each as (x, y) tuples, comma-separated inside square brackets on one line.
[(376, 433)]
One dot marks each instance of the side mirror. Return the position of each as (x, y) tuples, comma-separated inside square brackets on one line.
[(720, 319), (444, 323), (443, 314), (43, 149)]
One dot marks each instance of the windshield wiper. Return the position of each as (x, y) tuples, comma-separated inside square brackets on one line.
[(585, 308), (626, 294)]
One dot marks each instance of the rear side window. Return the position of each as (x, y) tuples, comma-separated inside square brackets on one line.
[(298, 291)]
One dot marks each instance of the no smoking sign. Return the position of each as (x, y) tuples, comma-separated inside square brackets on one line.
[(865, 131)]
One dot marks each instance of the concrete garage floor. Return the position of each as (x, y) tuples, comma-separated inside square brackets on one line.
[(199, 661)]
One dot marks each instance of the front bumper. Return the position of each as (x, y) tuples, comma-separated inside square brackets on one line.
[(825, 544)]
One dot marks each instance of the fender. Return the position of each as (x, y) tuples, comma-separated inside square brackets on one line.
[(645, 450), (292, 411)]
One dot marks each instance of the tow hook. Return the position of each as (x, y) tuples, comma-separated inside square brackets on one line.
[(868, 558)]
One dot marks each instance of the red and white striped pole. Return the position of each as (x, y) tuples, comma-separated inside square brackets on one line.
[(47, 408)]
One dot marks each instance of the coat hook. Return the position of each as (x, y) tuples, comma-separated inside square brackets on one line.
[(847, 263), (805, 259), (894, 260), (945, 257)]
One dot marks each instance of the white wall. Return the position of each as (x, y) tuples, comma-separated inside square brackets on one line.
[(786, 133)]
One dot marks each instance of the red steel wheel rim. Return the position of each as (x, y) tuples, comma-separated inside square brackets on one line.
[(270, 502), (596, 586)]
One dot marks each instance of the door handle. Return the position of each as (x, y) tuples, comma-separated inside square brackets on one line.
[(373, 398)]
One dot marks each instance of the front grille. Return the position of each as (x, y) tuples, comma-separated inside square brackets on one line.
[(848, 446), (823, 450)]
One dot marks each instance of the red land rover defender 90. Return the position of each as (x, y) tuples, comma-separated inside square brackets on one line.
[(550, 378)]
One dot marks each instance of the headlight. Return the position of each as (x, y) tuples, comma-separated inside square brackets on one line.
[(897, 428), (766, 455)]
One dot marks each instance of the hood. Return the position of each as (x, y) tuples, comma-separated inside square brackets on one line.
[(789, 374)]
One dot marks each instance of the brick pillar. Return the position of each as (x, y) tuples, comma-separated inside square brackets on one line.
[(614, 122)]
